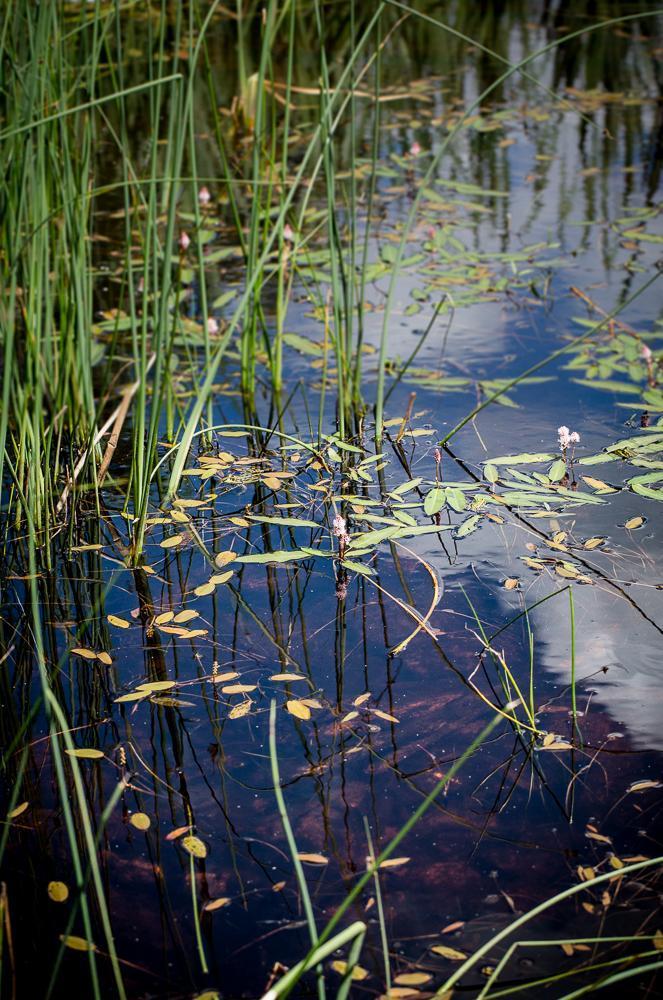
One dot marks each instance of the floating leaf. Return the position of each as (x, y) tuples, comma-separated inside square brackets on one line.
[(140, 820), (164, 618), (511, 583), (451, 953), (220, 578), (358, 972), (394, 862), (362, 698), (593, 543), (216, 904), (194, 845), (643, 786), (634, 522), (278, 556), (118, 622), (132, 696), (526, 458), (298, 709), (58, 892), (238, 688), (230, 675), (105, 658), (152, 686), (204, 589), (312, 859), (240, 710), (185, 616), (349, 717), (412, 979), (222, 559), (434, 501), (287, 677), (85, 754), (77, 943), (171, 542), (177, 832), (87, 654), (384, 715), (19, 810)]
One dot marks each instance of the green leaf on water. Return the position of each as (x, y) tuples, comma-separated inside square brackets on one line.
[(456, 499), (557, 470), (434, 501), (278, 556)]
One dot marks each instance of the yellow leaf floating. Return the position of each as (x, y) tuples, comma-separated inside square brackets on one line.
[(634, 522), (85, 754), (239, 688), (384, 715), (349, 717), (216, 904), (132, 696), (394, 862), (186, 616), (358, 971), (204, 589), (105, 658), (18, 811), (77, 943), (152, 686), (194, 845), (140, 820), (312, 859), (118, 622), (177, 832), (451, 953), (222, 559), (171, 541), (164, 617), (240, 710), (412, 979), (511, 583), (220, 578), (287, 677), (230, 675), (87, 654), (298, 709), (58, 892)]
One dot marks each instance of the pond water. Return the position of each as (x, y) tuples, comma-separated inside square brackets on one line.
[(525, 588)]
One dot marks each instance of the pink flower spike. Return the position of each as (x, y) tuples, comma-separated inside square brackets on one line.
[(339, 527), (646, 353), (415, 149), (212, 326), (184, 241), (288, 233), (204, 197)]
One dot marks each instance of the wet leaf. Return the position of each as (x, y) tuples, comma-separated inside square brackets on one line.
[(87, 654), (77, 943), (362, 698), (643, 786), (19, 810), (434, 501), (151, 686), (204, 589), (222, 559), (177, 832), (230, 675), (194, 845), (164, 618), (185, 616), (511, 583), (384, 715), (455, 926), (298, 709), (216, 904), (140, 820), (451, 953), (634, 522), (85, 754), (238, 688), (132, 696), (287, 677), (412, 979), (238, 711), (593, 543), (358, 973), (350, 717), (172, 541), (394, 862), (58, 892), (118, 622), (312, 859), (105, 658)]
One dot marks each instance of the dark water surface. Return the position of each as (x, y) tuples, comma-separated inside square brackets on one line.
[(578, 186)]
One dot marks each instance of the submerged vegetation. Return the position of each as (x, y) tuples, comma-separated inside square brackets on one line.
[(331, 449)]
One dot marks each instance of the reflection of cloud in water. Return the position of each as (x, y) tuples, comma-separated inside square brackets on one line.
[(610, 632)]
